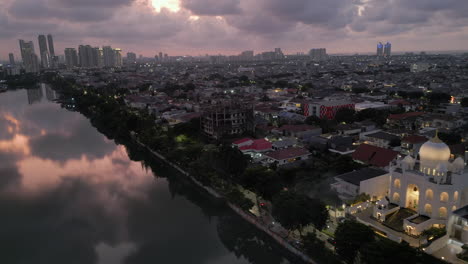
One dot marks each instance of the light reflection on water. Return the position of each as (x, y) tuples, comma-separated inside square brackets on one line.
[(69, 195)]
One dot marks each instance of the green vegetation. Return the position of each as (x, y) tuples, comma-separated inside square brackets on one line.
[(313, 245), (295, 211), (355, 241)]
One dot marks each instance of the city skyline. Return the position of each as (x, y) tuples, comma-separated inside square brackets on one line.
[(198, 27)]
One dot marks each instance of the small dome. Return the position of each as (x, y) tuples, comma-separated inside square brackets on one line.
[(408, 159), (441, 167), (458, 164), (434, 150)]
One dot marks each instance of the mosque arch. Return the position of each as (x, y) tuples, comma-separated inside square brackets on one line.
[(444, 197), (429, 194), (396, 197), (428, 209), (455, 196), (443, 212), (397, 183)]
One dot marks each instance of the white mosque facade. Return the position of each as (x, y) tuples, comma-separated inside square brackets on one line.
[(432, 185)]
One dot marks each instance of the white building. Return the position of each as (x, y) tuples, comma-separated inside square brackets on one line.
[(432, 186)]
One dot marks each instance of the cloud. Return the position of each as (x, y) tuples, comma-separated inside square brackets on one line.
[(212, 7)]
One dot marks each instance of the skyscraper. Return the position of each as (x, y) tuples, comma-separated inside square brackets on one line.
[(71, 58), (88, 56), (51, 45), (387, 49), (380, 49), (318, 54), (43, 51), (29, 57), (12, 58), (117, 57), (279, 53), (109, 56), (131, 57)]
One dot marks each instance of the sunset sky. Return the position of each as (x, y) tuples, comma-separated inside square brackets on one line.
[(198, 27)]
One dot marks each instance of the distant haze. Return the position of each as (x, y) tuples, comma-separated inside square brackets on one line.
[(198, 27)]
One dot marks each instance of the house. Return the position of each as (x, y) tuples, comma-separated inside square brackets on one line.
[(284, 143), (299, 131), (381, 139), (405, 120), (373, 155), (287, 155), (352, 130), (371, 181), (410, 144), (341, 145), (256, 145)]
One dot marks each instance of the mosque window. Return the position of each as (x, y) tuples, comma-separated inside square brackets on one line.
[(455, 196), (443, 212), (428, 209), (397, 183), (444, 197), (429, 194), (396, 197)]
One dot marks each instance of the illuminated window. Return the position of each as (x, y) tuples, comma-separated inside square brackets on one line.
[(455, 196), (396, 197), (397, 183), (443, 212), (428, 209), (429, 194), (444, 197)]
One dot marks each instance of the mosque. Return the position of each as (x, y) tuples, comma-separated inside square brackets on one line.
[(429, 187)]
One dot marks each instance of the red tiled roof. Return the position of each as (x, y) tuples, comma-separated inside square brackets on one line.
[(258, 144), (405, 115), (240, 141), (288, 153), (376, 156), (413, 139)]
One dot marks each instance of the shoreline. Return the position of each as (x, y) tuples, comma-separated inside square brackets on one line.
[(252, 220)]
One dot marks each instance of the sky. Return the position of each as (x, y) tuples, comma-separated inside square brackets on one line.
[(198, 27)]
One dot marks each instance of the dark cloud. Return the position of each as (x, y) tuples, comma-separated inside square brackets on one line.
[(212, 7), (68, 10)]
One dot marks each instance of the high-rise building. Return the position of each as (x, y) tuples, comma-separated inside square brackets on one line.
[(380, 49), (247, 55), (87, 56), (54, 61), (160, 56), (318, 54), (387, 49), (43, 51), (131, 57), (12, 58), (51, 45), (279, 53), (29, 57), (71, 58), (117, 57), (109, 56)]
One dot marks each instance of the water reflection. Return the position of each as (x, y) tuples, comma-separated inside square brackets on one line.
[(69, 195)]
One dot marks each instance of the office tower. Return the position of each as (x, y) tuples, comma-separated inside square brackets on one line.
[(43, 51), (12, 58), (98, 59), (380, 49), (318, 54), (247, 55), (29, 57), (387, 49), (51, 45), (166, 57), (109, 56), (131, 57), (278, 53), (71, 58), (160, 56), (53, 57), (117, 57)]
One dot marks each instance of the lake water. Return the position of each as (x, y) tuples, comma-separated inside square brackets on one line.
[(69, 195)]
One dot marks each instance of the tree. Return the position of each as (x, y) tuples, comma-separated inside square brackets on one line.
[(262, 181), (236, 197), (450, 138), (346, 115), (313, 120), (438, 98), (395, 142), (295, 211), (350, 237), (464, 102), (316, 248)]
